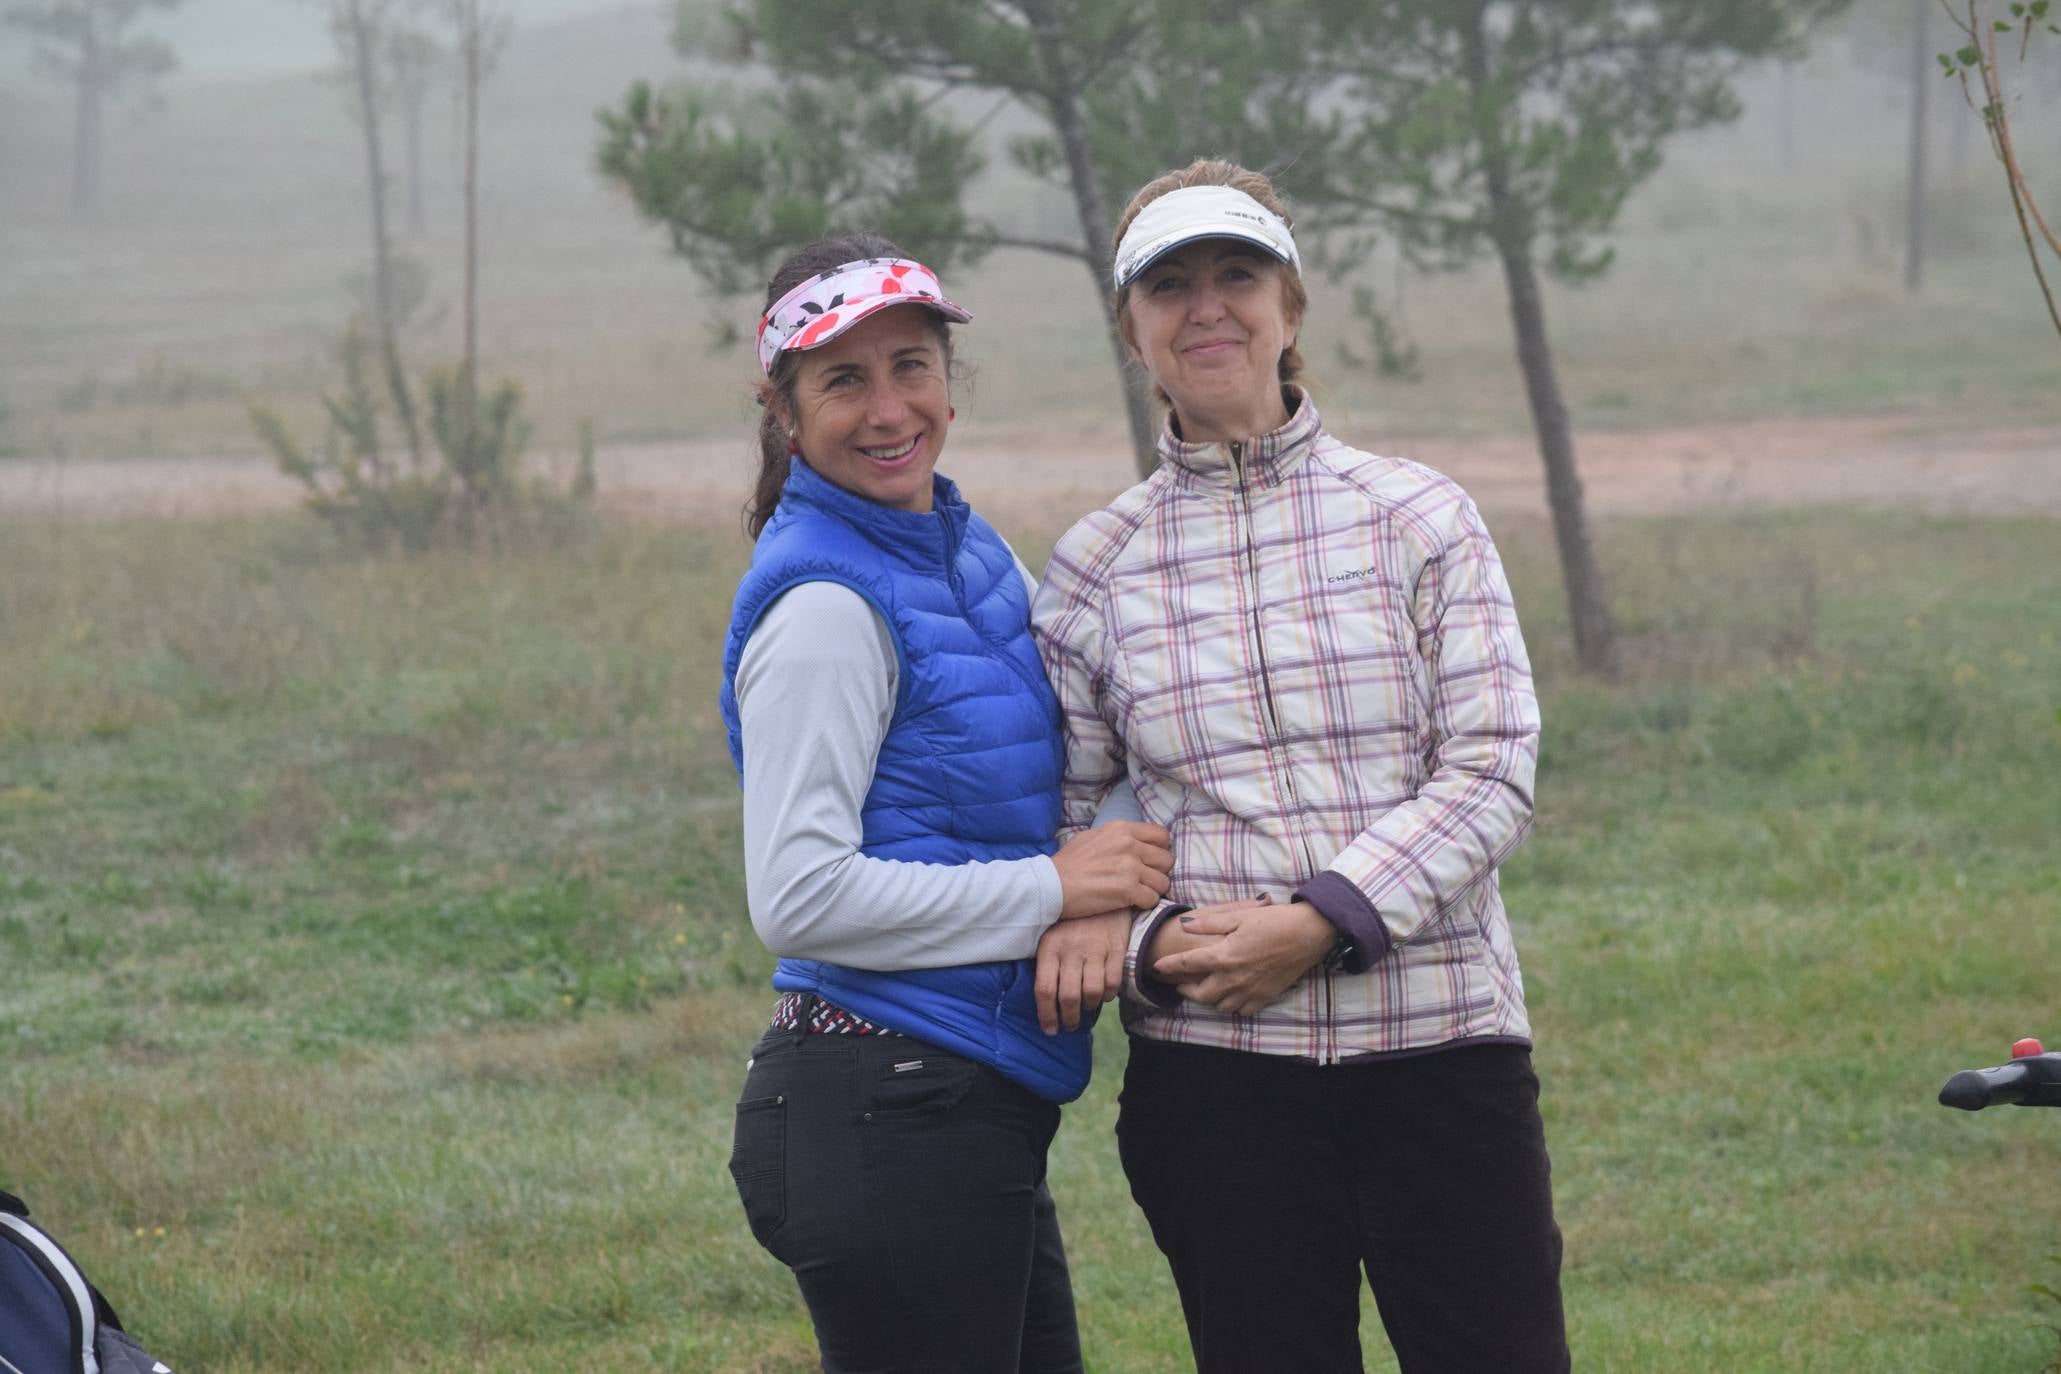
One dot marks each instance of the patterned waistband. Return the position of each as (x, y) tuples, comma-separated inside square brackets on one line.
[(823, 1017)]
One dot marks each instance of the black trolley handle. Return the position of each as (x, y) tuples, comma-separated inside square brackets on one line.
[(2031, 1079)]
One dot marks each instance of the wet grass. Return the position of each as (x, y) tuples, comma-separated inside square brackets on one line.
[(378, 982)]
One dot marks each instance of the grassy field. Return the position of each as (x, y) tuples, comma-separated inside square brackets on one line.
[(378, 980)]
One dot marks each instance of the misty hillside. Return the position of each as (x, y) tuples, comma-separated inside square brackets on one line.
[(234, 234)]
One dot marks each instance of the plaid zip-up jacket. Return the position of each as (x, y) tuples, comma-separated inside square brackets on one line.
[(1307, 660)]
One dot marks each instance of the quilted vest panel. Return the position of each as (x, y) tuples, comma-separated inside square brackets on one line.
[(970, 768)]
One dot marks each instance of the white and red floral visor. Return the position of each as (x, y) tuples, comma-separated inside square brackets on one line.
[(829, 303)]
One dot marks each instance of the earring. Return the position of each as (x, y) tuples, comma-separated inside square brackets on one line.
[(951, 412)]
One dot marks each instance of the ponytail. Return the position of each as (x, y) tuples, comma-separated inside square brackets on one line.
[(776, 450)]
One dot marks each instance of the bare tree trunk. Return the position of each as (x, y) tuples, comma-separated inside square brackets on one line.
[(1097, 225), (411, 60), (1957, 150), (1786, 90), (1914, 198), (363, 52), (1588, 603), (92, 95), (412, 132), (471, 39)]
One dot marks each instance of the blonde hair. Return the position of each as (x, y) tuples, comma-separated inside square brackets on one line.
[(1215, 171)]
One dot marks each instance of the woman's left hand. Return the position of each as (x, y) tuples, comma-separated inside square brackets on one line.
[(1264, 950), (1080, 966)]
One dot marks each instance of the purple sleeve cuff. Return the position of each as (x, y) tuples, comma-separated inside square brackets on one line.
[(1347, 908), (1158, 990)]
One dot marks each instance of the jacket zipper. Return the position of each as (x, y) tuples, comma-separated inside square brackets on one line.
[(952, 562), (1327, 1039)]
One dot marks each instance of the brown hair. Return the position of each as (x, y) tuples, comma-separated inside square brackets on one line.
[(775, 394), (1215, 171)]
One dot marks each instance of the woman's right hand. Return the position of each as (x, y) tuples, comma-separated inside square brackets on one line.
[(1121, 864)]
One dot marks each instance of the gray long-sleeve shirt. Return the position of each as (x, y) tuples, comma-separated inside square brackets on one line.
[(815, 695)]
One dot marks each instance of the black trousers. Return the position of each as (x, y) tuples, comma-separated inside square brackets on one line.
[(905, 1187), (1271, 1183)]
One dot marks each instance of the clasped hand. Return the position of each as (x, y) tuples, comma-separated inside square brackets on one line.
[(1239, 956), (1103, 874), (1080, 966)]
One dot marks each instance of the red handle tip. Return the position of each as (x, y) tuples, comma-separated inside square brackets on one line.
[(2025, 1049)]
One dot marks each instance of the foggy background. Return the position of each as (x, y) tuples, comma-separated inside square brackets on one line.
[(375, 970), (1759, 274)]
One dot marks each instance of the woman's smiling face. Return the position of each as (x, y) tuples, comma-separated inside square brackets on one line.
[(871, 407), (1210, 322)]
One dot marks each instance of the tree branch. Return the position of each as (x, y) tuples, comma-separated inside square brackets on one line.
[(1373, 211), (1122, 45), (2021, 195), (1999, 125), (1055, 246)]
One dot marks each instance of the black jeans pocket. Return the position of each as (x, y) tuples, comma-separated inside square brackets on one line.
[(921, 1081), (758, 1164)]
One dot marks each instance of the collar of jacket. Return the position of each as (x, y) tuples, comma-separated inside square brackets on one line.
[(921, 539), (1266, 460)]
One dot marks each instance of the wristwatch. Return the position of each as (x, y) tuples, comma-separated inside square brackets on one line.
[(1341, 950)]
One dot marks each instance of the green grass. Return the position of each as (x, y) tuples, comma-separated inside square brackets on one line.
[(374, 929)]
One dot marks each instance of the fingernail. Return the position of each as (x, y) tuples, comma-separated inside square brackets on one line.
[(1187, 920)]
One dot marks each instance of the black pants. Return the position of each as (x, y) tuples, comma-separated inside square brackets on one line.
[(1270, 1183), (905, 1187)]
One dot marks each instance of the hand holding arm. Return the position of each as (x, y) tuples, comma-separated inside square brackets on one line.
[(1120, 864)]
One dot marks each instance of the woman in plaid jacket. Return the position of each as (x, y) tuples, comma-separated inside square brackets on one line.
[(1306, 661)]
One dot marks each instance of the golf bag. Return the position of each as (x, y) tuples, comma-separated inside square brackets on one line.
[(52, 1321)]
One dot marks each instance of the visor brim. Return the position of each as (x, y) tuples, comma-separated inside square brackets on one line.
[(854, 312), (1170, 242)]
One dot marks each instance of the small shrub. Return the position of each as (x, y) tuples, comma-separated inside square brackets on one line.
[(465, 489), (584, 480)]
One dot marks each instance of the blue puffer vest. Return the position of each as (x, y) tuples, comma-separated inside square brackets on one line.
[(970, 767)]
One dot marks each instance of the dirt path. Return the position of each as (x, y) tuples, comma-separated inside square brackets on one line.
[(1047, 477)]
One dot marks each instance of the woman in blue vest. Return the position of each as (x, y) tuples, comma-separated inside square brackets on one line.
[(900, 755)]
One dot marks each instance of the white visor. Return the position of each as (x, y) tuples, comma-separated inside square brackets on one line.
[(1201, 212)]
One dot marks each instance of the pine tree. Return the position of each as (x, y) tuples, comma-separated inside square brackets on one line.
[(1510, 130), (87, 44)]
